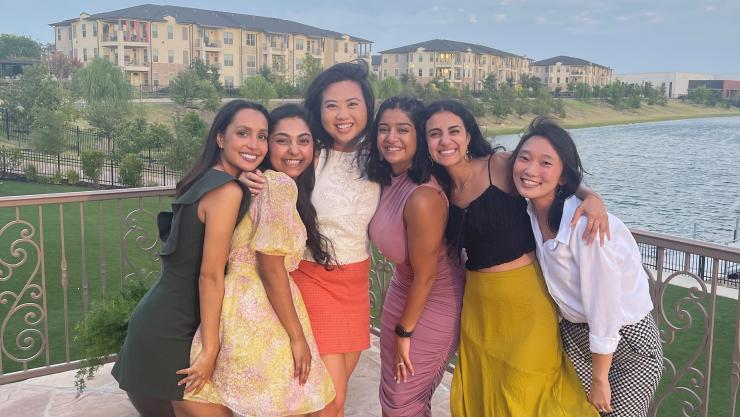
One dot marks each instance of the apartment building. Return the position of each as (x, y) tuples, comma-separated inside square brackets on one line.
[(557, 72), (462, 64), (152, 43)]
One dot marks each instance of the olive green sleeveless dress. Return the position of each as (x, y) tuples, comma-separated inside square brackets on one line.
[(162, 326)]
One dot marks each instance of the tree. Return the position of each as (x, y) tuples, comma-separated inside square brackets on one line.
[(310, 69), (47, 135), (185, 146), (92, 164), (258, 88), (14, 46), (490, 83), (101, 81), (501, 101), (131, 137), (208, 73), (521, 107), (107, 117), (61, 65), (159, 135), (386, 88), (699, 95), (582, 91), (187, 87), (36, 90), (130, 169)]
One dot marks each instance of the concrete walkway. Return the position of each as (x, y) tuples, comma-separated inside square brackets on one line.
[(55, 396)]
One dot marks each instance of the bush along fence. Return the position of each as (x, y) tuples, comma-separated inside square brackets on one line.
[(44, 168)]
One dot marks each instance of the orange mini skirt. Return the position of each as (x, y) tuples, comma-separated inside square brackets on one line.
[(338, 304)]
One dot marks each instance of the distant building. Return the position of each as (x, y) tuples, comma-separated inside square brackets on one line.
[(153, 43), (13, 67), (462, 64), (557, 72), (676, 83), (375, 61), (727, 88)]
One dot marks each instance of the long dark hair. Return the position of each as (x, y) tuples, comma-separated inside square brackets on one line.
[(477, 147), (320, 247), (356, 71), (210, 152), (573, 170), (379, 170)]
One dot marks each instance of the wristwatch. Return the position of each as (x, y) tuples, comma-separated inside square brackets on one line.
[(401, 332)]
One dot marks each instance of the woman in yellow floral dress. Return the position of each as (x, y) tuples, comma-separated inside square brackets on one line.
[(268, 363)]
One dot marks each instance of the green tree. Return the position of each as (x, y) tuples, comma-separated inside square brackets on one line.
[(107, 117), (206, 72), (521, 107), (92, 164), (47, 132), (258, 88), (501, 101), (129, 170), (101, 81), (490, 83), (386, 88), (131, 137), (14, 46), (158, 136), (187, 87), (582, 91), (310, 68), (37, 90), (543, 104), (185, 146), (699, 95)]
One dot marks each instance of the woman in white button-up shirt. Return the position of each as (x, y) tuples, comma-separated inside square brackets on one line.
[(601, 291)]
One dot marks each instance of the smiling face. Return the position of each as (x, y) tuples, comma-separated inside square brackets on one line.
[(538, 170), (397, 139), (291, 146), (447, 138), (244, 143), (343, 113)]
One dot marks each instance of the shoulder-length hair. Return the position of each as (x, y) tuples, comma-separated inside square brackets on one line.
[(320, 247), (379, 170), (210, 152)]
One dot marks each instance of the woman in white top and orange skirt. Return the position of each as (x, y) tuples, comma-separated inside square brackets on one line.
[(601, 291)]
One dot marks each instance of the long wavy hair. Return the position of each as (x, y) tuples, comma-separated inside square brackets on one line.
[(355, 71), (320, 247), (210, 153), (379, 170), (566, 149)]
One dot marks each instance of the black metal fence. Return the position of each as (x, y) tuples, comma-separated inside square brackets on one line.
[(47, 167), (675, 260)]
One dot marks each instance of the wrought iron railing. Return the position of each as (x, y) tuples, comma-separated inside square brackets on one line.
[(60, 253)]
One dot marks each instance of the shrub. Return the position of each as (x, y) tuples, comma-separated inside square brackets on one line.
[(92, 164), (56, 179), (130, 169), (30, 172), (10, 160), (72, 176)]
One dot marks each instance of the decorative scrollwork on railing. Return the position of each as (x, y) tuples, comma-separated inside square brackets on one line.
[(25, 316), (140, 235), (381, 272), (688, 382)]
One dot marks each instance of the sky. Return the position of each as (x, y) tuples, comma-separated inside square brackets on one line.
[(626, 35)]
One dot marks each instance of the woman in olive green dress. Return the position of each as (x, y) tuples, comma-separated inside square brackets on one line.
[(154, 364)]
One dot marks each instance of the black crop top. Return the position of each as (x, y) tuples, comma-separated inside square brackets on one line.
[(493, 229)]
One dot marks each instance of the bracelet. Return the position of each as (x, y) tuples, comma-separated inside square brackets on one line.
[(401, 332)]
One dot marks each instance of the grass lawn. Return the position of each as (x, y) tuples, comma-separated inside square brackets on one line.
[(131, 221), (139, 263)]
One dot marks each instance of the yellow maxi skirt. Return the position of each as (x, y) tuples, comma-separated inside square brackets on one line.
[(512, 362)]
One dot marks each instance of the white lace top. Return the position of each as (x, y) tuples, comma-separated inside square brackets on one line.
[(345, 204)]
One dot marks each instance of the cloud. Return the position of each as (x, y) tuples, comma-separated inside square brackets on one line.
[(622, 18), (435, 8), (473, 18), (585, 19), (540, 20), (653, 17), (499, 17), (710, 8)]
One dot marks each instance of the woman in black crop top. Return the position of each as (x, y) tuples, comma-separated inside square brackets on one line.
[(511, 358)]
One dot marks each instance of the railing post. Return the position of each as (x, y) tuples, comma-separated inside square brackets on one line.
[(78, 141)]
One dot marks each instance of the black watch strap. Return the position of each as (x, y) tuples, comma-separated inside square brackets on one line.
[(401, 332)]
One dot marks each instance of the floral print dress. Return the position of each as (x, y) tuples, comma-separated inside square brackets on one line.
[(254, 370)]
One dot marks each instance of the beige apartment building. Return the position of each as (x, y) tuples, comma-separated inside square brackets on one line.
[(558, 71), (152, 43), (462, 64)]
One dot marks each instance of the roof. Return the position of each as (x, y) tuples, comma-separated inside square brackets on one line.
[(565, 60), (444, 45), (212, 18), (19, 61), (376, 59)]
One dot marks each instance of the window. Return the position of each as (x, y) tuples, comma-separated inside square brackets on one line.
[(170, 32), (299, 65), (95, 52), (74, 30), (431, 72), (385, 73), (146, 57), (185, 33), (59, 34), (84, 54), (251, 61), (228, 60), (273, 41), (421, 57), (346, 47), (228, 81), (395, 72), (251, 39), (185, 58), (558, 80), (228, 38), (84, 30), (299, 44), (154, 30), (420, 72), (155, 55), (457, 73), (170, 56), (396, 56), (385, 59), (155, 79), (95, 29)]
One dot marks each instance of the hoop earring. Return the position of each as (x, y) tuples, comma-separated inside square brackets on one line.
[(467, 155)]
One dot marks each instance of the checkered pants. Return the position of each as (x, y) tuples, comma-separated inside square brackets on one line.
[(637, 364)]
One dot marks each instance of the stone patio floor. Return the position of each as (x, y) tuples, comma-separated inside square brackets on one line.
[(55, 396)]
